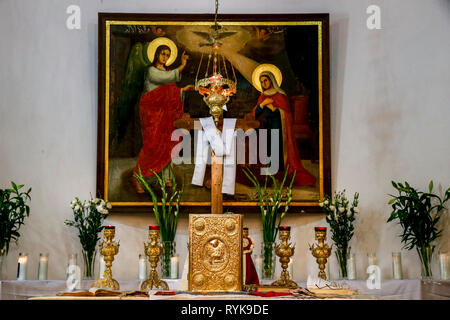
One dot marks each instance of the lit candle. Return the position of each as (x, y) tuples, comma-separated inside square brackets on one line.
[(444, 265), (43, 266), (142, 272), (397, 272), (320, 229), (174, 267), (22, 267), (102, 267), (153, 227), (351, 267), (371, 259)]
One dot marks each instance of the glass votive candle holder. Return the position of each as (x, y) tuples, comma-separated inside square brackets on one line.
[(351, 267), (43, 266), (142, 268), (444, 265), (174, 266), (22, 264), (71, 261), (371, 259), (397, 271)]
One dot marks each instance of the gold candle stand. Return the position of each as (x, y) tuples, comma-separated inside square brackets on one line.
[(322, 251), (153, 250), (108, 249), (285, 250)]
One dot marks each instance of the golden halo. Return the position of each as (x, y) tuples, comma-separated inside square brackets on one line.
[(162, 41), (265, 67)]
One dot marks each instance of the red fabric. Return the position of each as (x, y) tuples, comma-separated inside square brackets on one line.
[(158, 110), (302, 177), (251, 276), (270, 294)]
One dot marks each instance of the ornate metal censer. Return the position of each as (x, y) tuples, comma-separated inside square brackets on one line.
[(108, 249), (322, 251), (216, 87), (285, 250), (153, 250)]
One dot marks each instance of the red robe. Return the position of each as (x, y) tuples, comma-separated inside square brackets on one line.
[(158, 109), (290, 149), (250, 275)]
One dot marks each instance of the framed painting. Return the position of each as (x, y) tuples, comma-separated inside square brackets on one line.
[(148, 87)]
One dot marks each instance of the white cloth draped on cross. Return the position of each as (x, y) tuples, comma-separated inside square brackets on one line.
[(224, 147)]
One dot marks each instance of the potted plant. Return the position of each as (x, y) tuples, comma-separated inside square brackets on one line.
[(166, 214), (271, 215), (340, 215), (88, 219), (13, 210), (418, 213)]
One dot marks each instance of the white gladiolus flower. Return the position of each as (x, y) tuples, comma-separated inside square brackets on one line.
[(355, 209), (320, 204), (336, 218), (341, 210), (332, 208), (349, 215), (104, 211), (329, 217), (109, 206), (77, 207), (326, 202), (99, 208)]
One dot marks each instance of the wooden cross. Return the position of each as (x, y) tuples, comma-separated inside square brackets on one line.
[(188, 123)]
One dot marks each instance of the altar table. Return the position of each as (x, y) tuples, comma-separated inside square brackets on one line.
[(412, 289)]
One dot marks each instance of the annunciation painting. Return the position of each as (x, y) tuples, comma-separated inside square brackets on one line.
[(154, 74)]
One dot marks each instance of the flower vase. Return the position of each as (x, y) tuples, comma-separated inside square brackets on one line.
[(268, 253), (425, 255), (342, 255), (169, 251), (89, 264)]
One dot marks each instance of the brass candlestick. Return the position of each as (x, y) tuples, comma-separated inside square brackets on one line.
[(285, 250), (322, 251), (108, 249), (153, 250)]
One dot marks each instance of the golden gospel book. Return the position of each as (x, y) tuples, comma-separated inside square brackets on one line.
[(215, 252)]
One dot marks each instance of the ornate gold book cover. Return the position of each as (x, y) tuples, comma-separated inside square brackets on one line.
[(215, 252)]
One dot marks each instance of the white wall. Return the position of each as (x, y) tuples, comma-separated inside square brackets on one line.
[(390, 108)]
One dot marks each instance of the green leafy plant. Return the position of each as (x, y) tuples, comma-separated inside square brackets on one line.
[(88, 219), (165, 214), (418, 213), (13, 211), (340, 215), (270, 203), (272, 215)]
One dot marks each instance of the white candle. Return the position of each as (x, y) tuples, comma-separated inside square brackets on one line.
[(102, 267), (43, 266), (397, 272), (372, 259), (174, 267), (444, 265), (290, 269), (142, 270), (22, 267), (327, 270), (351, 267)]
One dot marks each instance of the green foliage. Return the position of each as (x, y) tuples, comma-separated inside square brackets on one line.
[(418, 213), (13, 210), (340, 216), (88, 219), (270, 203), (166, 216)]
